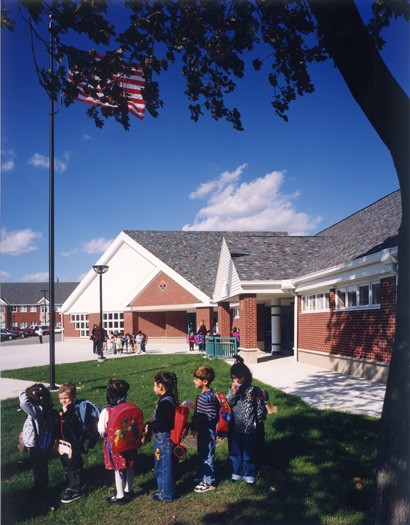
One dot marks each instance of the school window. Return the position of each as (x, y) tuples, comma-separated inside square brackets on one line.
[(33, 309), (114, 322), (23, 309), (235, 313), (316, 302), (358, 296), (14, 308), (80, 322), (2, 309)]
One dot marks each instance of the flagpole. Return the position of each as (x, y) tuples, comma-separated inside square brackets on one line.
[(51, 221)]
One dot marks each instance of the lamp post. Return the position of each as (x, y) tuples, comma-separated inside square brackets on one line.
[(100, 269)]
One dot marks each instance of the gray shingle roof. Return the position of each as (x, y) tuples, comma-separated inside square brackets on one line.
[(31, 293), (368, 231), (275, 255)]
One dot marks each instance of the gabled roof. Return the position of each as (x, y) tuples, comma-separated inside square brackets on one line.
[(31, 293), (194, 255), (275, 255), (367, 231), (276, 258)]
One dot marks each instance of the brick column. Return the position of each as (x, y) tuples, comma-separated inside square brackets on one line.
[(224, 319), (128, 323), (249, 340), (206, 314)]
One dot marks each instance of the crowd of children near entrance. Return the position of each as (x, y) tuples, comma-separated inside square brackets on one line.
[(121, 420)]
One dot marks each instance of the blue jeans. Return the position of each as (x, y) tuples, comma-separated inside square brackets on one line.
[(242, 453), (165, 462), (206, 454)]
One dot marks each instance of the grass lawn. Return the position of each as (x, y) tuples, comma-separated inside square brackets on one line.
[(319, 463)]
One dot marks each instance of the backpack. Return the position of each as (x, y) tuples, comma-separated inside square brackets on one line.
[(125, 427), (48, 426), (180, 426), (88, 414), (225, 415)]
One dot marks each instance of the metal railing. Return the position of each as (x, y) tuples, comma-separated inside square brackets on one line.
[(222, 347)]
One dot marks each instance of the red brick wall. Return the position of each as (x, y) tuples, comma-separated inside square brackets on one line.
[(30, 318), (69, 328), (130, 323), (173, 293), (365, 334), (224, 319), (247, 308), (206, 314), (162, 324)]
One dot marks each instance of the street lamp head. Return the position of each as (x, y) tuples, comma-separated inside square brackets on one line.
[(100, 268)]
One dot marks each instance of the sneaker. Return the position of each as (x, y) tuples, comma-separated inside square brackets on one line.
[(70, 496), (117, 501), (204, 487)]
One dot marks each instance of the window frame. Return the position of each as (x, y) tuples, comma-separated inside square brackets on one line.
[(311, 302), (351, 304)]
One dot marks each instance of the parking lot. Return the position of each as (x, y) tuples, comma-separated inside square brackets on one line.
[(32, 340)]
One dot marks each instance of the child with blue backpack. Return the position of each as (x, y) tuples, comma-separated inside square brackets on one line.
[(36, 402), (113, 425), (166, 388), (204, 425)]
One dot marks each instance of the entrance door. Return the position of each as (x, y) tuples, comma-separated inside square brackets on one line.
[(191, 321)]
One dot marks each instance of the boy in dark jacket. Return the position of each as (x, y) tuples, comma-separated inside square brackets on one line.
[(69, 442)]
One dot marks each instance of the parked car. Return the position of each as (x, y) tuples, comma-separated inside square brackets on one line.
[(23, 332), (46, 329), (29, 331), (8, 334)]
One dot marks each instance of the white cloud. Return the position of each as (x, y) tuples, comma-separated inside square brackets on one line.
[(42, 161), (7, 160), (18, 241), (87, 137), (90, 247), (257, 205), (216, 185), (4, 275), (39, 277)]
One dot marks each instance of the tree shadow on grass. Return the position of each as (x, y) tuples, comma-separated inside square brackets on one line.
[(309, 477)]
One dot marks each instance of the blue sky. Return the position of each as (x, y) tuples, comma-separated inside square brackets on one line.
[(170, 173)]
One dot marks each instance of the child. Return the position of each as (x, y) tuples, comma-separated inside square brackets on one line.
[(205, 420), (70, 431), (138, 341), (122, 464), (191, 340), (36, 403), (165, 387), (119, 344), (248, 410)]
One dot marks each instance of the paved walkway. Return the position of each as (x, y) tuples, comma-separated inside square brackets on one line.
[(318, 387)]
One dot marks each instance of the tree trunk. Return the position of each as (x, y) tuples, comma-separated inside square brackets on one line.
[(387, 107)]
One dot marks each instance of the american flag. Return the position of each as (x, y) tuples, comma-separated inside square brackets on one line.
[(131, 86)]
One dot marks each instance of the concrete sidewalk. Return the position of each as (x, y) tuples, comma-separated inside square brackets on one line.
[(318, 387)]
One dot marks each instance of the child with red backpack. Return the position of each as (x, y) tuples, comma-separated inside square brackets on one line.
[(161, 425), (121, 426), (204, 425)]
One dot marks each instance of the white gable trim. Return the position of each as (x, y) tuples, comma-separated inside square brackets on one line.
[(159, 266)]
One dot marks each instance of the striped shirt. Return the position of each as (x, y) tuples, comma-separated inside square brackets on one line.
[(207, 404)]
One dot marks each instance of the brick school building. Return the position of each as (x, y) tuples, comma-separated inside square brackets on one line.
[(330, 299)]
